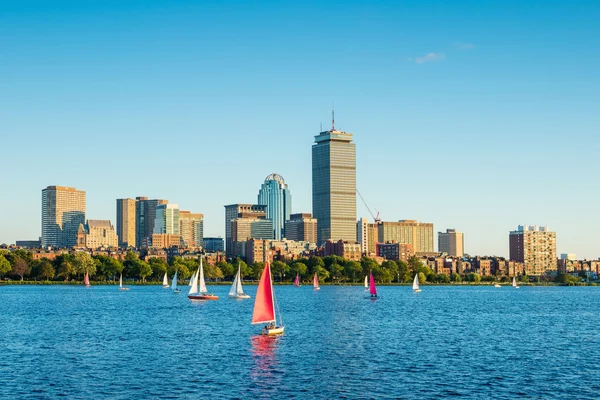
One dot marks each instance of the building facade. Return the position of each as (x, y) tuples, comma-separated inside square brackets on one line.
[(348, 250), (126, 212), (234, 211), (245, 228), (395, 251), (214, 244), (367, 235), (302, 228), (417, 234), (145, 216), (191, 229), (451, 243), (334, 186), (97, 233), (63, 210), (167, 219), (535, 247), (275, 194)]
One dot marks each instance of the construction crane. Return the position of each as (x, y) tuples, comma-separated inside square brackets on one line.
[(375, 217)]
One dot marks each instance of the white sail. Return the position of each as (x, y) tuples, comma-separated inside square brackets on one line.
[(192, 279), (366, 283), (416, 282), (238, 286), (174, 283), (514, 281), (233, 291), (201, 284), (121, 281), (165, 280), (194, 286)]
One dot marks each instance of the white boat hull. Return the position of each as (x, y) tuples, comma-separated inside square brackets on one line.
[(239, 296), (416, 290)]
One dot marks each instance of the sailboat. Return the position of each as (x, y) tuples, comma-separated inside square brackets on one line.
[(174, 284), (316, 282), (366, 283), (192, 279), (372, 288), (86, 280), (497, 285), (121, 287), (165, 281), (264, 305), (198, 290), (236, 291), (515, 282), (416, 284), (297, 280)]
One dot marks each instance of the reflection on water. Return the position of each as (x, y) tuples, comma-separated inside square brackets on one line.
[(265, 373)]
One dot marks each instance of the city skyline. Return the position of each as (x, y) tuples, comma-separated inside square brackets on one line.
[(480, 126)]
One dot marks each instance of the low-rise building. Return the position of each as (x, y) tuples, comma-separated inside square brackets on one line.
[(95, 234), (395, 251), (346, 250)]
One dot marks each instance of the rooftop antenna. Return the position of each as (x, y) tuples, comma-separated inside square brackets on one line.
[(321, 130), (332, 117)]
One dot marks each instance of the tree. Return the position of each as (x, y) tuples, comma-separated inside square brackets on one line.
[(443, 278), (144, 270), (227, 269), (20, 267), (321, 272), (474, 277), (280, 268), (335, 270), (65, 266), (84, 263), (46, 270), (159, 267), (414, 264), (299, 268), (422, 278), (257, 269), (314, 262), (4, 266), (566, 279), (368, 264), (455, 277), (353, 269), (403, 271), (391, 270), (385, 275)]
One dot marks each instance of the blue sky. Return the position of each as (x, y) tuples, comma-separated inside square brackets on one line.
[(472, 115)]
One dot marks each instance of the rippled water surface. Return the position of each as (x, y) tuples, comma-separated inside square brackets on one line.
[(480, 342)]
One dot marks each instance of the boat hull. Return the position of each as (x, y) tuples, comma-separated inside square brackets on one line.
[(239, 296), (416, 290), (317, 288), (273, 331), (203, 297), (124, 288)]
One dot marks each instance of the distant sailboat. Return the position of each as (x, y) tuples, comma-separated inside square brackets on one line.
[(316, 282), (366, 283), (372, 288), (86, 280), (515, 282), (297, 280), (165, 281), (200, 292), (192, 278), (174, 284), (264, 305), (236, 291), (121, 287), (416, 284), (497, 285)]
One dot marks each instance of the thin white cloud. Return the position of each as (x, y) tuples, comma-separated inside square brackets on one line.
[(431, 57), (464, 46)]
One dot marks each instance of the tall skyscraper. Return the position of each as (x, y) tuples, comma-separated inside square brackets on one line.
[(191, 229), (234, 211), (145, 215), (451, 243), (417, 234), (535, 247), (274, 194), (63, 210), (334, 186), (167, 219), (126, 210)]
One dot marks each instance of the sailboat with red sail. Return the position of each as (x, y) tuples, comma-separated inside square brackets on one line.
[(316, 282), (86, 280), (264, 305), (297, 280), (372, 288)]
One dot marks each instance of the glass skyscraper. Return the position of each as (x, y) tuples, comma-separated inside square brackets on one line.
[(274, 194), (334, 186)]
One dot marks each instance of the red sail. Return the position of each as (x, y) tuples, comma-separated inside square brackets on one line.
[(316, 281), (372, 288), (297, 280), (264, 309)]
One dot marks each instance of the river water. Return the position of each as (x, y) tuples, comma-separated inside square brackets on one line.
[(479, 342)]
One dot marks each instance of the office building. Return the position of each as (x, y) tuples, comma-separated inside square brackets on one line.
[(167, 219), (394, 251), (145, 216), (367, 235), (418, 234), (274, 194), (63, 210), (245, 228), (234, 211), (301, 228), (126, 211), (451, 243), (350, 251), (535, 247), (214, 244), (334, 186), (165, 241), (191, 229)]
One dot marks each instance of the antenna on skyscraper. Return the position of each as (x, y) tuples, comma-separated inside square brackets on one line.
[(321, 130), (332, 117)]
